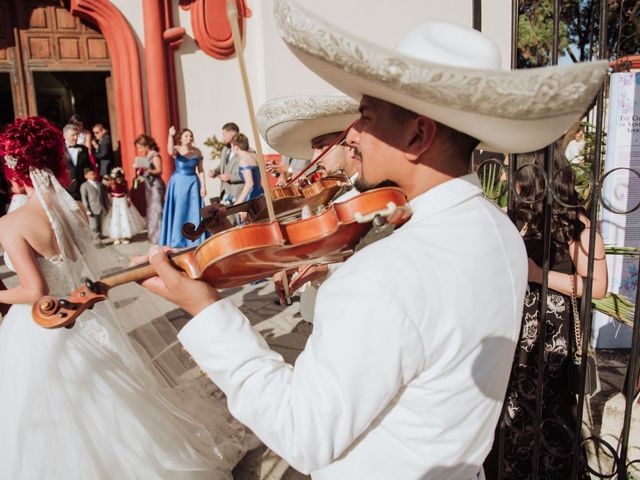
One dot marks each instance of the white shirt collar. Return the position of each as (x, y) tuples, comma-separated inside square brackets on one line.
[(446, 195), (73, 153)]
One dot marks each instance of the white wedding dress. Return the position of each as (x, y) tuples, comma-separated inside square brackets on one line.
[(79, 404)]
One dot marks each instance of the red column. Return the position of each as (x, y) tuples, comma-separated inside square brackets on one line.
[(125, 61), (157, 86)]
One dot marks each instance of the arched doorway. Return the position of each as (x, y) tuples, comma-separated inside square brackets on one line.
[(54, 65)]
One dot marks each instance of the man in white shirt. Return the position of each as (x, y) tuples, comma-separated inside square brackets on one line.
[(573, 152), (406, 369)]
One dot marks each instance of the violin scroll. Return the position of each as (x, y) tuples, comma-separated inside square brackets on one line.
[(51, 312), (212, 218)]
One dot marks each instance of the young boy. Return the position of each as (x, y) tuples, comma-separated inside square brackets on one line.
[(92, 194)]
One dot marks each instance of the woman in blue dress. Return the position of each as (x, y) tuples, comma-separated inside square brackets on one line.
[(185, 191), (248, 167)]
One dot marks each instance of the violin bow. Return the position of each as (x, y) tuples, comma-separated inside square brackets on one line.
[(232, 15)]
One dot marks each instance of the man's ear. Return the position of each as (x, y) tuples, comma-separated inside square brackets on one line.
[(422, 132)]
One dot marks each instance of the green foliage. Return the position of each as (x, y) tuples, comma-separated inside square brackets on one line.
[(215, 145), (535, 39), (579, 27), (616, 306), (589, 149), (494, 183)]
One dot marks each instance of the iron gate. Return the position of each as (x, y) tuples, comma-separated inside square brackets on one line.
[(597, 43)]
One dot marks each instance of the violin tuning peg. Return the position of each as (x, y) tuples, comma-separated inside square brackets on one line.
[(91, 285)]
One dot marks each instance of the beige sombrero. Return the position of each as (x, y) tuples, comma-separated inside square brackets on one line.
[(288, 124), (449, 73)]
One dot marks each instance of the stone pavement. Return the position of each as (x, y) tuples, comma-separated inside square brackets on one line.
[(146, 315)]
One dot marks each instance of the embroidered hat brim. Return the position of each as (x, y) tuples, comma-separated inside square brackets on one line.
[(288, 124), (508, 111)]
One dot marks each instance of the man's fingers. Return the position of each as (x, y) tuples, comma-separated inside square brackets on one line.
[(160, 262), (156, 285), (138, 259)]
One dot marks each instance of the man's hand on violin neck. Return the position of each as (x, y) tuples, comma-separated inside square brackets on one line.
[(174, 285)]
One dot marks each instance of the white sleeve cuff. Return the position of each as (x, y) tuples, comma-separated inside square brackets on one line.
[(209, 325)]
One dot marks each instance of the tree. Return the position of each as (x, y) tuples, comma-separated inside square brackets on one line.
[(624, 27), (579, 30), (535, 32)]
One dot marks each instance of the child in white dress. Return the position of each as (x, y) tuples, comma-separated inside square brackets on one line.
[(124, 221)]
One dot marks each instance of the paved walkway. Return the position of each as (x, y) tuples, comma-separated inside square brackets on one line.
[(146, 315)]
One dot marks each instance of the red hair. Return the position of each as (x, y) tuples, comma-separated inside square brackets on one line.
[(32, 142)]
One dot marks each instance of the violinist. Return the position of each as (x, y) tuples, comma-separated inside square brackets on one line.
[(404, 374), (304, 126)]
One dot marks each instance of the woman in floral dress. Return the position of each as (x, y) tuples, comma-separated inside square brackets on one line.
[(570, 230)]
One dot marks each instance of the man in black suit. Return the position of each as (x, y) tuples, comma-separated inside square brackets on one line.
[(102, 149), (77, 159)]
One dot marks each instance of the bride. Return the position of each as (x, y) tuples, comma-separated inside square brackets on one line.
[(79, 403)]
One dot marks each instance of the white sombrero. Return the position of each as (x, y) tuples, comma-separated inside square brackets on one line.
[(288, 124), (449, 73)]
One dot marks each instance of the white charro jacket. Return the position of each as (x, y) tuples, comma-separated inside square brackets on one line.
[(405, 372)]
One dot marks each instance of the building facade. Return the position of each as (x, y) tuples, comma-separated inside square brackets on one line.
[(142, 66)]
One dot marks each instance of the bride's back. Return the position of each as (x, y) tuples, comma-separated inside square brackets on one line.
[(31, 223)]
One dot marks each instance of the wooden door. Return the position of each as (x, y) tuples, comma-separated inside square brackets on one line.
[(44, 36)]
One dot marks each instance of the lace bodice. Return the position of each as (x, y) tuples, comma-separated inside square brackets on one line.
[(61, 275)]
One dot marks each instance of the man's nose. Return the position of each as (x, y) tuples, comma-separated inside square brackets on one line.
[(353, 137)]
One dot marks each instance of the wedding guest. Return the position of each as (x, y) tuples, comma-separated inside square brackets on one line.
[(185, 191), (248, 168), (570, 231), (574, 149), (124, 221), (84, 135), (149, 170), (76, 158), (102, 149), (93, 195), (228, 171)]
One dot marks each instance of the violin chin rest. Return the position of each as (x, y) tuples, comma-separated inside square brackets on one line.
[(378, 217)]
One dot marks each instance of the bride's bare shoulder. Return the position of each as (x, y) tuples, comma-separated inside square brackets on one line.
[(13, 225), (26, 218)]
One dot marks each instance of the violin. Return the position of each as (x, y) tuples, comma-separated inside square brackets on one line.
[(250, 252), (247, 253), (288, 201)]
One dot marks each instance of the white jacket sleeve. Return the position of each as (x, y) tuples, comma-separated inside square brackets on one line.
[(362, 351)]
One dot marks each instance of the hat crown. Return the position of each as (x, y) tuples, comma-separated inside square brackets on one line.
[(446, 43)]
